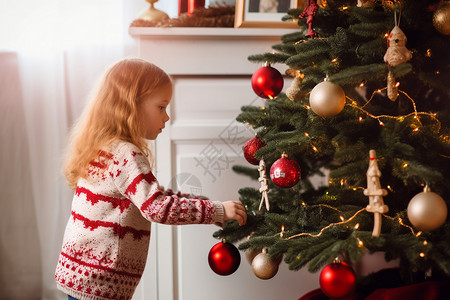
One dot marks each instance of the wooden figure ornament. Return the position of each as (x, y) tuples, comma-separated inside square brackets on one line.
[(375, 193), (264, 189), (309, 13), (397, 53)]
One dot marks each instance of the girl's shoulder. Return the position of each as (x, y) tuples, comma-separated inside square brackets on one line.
[(123, 148)]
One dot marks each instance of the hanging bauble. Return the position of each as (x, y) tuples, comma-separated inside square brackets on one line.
[(285, 172), (427, 211), (265, 267), (441, 18), (327, 99), (337, 280), (251, 253), (267, 82), (250, 147), (224, 258)]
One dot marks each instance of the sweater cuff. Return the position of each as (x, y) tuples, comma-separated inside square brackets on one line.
[(218, 217)]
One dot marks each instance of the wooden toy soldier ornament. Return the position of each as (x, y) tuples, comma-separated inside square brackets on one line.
[(264, 189), (375, 193)]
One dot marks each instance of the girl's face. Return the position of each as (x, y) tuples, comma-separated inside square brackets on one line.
[(152, 111)]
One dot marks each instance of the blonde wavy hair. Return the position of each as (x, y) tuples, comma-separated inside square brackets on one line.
[(112, 115)]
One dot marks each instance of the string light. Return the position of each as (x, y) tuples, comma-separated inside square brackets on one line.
[(415, 113), (359, 242), (326, 227), (282, 231), (421, 254)]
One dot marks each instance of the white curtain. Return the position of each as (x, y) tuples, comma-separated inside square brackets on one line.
[(52, 53)]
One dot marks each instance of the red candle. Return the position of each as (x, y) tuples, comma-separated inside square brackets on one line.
[(194, 4)]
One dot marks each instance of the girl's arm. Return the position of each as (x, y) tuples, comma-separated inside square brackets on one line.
[(133, 178)]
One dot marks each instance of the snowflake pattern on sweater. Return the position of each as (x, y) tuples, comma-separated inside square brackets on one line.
[(107, 237)]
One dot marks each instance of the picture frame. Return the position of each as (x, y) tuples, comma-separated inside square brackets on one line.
[(264, 13)]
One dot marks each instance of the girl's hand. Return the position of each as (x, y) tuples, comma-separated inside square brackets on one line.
[(234, 210)]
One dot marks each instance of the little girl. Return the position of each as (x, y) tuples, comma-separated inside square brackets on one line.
[(116, 194)]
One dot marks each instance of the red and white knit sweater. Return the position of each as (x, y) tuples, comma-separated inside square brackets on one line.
[(107, 237)]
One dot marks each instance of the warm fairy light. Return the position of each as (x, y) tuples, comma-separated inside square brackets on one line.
[(342, 218), (270, 97), (381, 123), (334, 60), (298, 257), (360, 119), (414, 114), (342, 182), (345, 7), (356, 226), (386, 35), (438, 72), (359, 242), (307, 106), (419, 233), (303, 203), (315, 148), (361, 84), (389, 187), (422, 254), (328, 226), (416, 129), (282, 231), (425, 243), (397, 84), (306, 134), (405, 165), (263, 107), (428, 54)]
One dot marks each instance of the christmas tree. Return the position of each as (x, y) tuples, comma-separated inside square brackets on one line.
[(368, 109)]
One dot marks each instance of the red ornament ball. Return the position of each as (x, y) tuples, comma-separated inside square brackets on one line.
[(285, 172), (337, 280), (250, 148), (267, 82), (224, 258)]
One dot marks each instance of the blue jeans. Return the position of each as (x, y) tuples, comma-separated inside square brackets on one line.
[(71, 298)]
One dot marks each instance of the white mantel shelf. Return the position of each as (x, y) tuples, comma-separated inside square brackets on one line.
[(205, 51), (209, 31)]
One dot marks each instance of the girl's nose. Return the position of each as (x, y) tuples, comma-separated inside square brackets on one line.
[(167, 118)]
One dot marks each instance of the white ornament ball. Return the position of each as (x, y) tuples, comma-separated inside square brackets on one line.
[(264, 267), (327, 99), (427, 211)]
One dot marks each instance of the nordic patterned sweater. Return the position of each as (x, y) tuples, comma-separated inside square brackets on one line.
[(107, 237)]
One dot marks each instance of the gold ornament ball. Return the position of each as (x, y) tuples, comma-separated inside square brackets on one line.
[(251, 253), (264, 267), (427, 211), (327, 99), (441, 19)]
